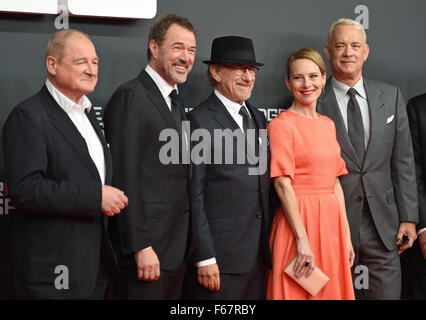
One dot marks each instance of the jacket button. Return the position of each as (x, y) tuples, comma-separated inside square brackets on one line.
[(359, 198), (186, 211), (259, 215)]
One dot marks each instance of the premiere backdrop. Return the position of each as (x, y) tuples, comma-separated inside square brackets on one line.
[(396, 35)]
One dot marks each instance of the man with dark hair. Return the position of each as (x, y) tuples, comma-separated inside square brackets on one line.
[(58, 168), (229, 201), (153, 233)]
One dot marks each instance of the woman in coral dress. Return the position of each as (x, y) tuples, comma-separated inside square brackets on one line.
[(311, 222)]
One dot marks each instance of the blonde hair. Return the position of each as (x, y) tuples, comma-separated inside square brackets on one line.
[(57, 43), (345, 22), (306, 53)]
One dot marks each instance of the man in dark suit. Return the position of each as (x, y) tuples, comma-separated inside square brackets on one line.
[(152, 234), (230, 204), (57, 168), (380, 189), (414, 259)]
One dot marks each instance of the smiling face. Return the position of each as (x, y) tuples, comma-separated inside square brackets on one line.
[(76, 73), (347, 51), (305, 82), (173, 60), (231, 83)]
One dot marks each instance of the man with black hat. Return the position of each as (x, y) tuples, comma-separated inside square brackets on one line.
[(229, 203)]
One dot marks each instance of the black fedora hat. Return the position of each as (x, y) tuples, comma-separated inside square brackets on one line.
[(233, 49)]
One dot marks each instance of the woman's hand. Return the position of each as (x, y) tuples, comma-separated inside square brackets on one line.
[(304, 263), (351, 252)]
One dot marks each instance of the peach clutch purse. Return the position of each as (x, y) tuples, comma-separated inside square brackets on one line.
[(313, 284)]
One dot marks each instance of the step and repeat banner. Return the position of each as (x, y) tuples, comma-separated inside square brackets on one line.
[(396, 32)]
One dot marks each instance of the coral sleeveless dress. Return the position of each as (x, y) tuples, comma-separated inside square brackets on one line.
[(306, 150)]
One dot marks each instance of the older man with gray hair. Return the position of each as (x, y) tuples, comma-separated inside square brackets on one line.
[(374, 136), (58, 168)]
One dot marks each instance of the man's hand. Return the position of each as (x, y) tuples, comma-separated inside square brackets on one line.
[(407, 229), (148, 265), (113, 200), (209, 277), (422, 243)]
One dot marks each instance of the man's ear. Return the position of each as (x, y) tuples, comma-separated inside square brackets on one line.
[(215, 72), (51, 64), (327, 51), (366, 52), (153, 47)]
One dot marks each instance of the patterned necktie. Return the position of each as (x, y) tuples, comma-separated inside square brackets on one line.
[(355, 125)]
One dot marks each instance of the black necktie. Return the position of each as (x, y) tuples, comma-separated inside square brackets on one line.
[(176, 110), (179, 116), (355, 125), (249, 123)]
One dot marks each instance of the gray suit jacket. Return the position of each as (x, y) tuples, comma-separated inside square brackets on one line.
[(387, 175)]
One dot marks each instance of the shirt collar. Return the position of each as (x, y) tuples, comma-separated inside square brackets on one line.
[(162, 84), (230, 105), (341, 89), (66, 103)]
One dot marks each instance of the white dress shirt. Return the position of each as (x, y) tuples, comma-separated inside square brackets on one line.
[(162, 85), (342, 96), (77, 115), (233, 108), (165, 90)]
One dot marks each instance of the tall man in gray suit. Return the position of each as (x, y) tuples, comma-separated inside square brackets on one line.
[(380, 189)]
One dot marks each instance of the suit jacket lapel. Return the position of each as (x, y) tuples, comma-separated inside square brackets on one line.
[(377, 119), (224, 118), (157, 100), (259, 124), (331, 108), (67, 128), (221, 113), (107, 155)]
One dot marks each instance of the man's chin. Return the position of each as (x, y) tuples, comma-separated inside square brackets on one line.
[(180, 78)]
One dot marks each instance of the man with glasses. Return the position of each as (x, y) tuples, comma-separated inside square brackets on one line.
[(230, 214)]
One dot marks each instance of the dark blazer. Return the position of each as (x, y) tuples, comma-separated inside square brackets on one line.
[(387, 175), (414, 273), (158, 210), (416, 109), (57, 192), (223, 197)]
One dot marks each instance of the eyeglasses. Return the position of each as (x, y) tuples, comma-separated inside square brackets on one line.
[(241, 70)]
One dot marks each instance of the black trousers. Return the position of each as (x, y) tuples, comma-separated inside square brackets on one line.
[(167, 287), (413, 273), (233, 286)]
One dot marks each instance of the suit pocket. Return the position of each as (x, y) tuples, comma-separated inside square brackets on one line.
[(390, 196), (221, 225)]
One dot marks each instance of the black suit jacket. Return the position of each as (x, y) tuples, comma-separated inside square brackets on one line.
[(416, 109), (57, 192), (158, 210), (223, 198)]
